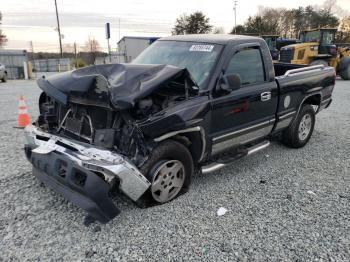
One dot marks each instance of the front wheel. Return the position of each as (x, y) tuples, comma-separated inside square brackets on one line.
[(169, 169), (4, 79), (299, 132)]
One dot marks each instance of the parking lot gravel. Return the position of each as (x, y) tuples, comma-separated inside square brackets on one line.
[(283, 204)]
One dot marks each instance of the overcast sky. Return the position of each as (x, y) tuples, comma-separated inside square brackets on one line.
[(34, 20)]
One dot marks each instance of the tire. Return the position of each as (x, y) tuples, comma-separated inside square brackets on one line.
[(318, 62), (345, 72), (299, 132), (168, 157), (4, 79)]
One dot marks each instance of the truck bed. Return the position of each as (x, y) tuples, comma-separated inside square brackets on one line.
[(282, 68), (297, 83)]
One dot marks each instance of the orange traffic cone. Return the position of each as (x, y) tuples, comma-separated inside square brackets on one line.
[(23, 117)]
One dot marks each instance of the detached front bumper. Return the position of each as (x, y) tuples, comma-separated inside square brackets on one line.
[(82, 173)]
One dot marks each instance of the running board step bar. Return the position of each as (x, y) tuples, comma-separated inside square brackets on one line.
[(258, 147), (250, 150)]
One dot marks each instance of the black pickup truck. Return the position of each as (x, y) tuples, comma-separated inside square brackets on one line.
[(187, 104)]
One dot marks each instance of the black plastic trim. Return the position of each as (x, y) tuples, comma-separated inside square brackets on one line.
[(80, 186)]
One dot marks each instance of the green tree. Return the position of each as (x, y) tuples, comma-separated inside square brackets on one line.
[(267, 21), (310, 18), (239, 30), (196, 23), (3, 38), (255, 25), (288, 23), (299, 23)]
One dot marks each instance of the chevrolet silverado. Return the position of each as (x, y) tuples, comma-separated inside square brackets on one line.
[(186, 104)]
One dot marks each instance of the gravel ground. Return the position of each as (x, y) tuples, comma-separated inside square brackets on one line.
[(283, 204)]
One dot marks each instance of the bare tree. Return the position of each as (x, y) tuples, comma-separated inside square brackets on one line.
[(343, 34), (92, 46), (3, 38), (287, 23), (218, 30), (332, 7), (68, 48)]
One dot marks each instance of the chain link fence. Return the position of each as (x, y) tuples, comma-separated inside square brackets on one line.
[(14, 62), (52, 65)]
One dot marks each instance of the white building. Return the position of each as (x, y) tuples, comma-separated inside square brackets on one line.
[(131, 46)]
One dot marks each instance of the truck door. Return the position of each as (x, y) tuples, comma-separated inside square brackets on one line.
[(248, 113)]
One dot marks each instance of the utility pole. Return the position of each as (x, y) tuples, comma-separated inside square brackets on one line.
[(75, 55), (108, 36), (119, 28), (118, 51), (235, 9), (30, 69), (59, 30), (109, 51), (32, 50)]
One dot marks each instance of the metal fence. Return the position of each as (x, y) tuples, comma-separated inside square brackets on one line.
[(52, 65), (13, 61)]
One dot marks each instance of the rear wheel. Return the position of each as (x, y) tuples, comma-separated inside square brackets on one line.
[(299, 132), (169, 169), (345, 72)]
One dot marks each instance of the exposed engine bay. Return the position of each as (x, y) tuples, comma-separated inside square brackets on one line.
[(161, 99), (89, 118)]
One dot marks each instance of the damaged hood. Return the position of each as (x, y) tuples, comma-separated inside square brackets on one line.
[(122, 85)]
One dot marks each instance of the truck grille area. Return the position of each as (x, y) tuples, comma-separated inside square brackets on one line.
[(80, 122), (286, 55), (99, 126), (76, 121)]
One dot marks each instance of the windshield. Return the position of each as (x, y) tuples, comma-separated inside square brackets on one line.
[(313, 36), (198, 58), (327, 38), (271, 42)]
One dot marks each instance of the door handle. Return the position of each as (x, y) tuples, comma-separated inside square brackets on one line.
[(265, 96)]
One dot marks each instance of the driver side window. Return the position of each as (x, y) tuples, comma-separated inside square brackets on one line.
[(248, 64)]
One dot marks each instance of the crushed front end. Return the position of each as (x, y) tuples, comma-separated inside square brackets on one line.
[(88, 139), (83, 174)]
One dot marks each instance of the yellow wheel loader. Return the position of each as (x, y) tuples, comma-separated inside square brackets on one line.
[(317, 48)]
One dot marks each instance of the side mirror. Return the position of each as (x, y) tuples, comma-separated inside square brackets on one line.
[(230, 82)]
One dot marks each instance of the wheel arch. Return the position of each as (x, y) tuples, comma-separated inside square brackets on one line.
[(42, 99), (312, 99), (193, 138)]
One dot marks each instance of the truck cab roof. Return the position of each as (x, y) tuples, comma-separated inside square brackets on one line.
[(222, 39)]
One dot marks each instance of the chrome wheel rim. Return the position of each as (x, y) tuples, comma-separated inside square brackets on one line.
[(304, 127), (168, 180)]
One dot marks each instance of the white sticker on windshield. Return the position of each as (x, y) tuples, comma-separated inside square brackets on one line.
[(201, 48)]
